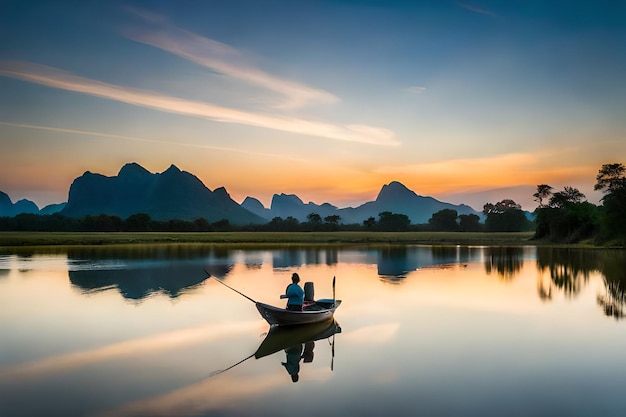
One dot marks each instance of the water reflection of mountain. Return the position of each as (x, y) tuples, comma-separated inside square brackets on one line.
[(141, 279), (395, 262)]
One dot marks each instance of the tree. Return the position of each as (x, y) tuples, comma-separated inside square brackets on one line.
[(221, 225), (568, 196), (444, 220), (332, 219), (543, 191), (611, 180), (566, 218), (278, 224), (393, 222), (314, 219), (611, 177), (469, 223), (139, 222), (201, 225), (370, 223), (505, 216)]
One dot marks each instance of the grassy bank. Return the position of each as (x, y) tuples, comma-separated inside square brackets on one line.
[(23, 239)]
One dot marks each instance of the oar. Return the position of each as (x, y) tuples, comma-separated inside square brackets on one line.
[(333, 290), (228, 286)]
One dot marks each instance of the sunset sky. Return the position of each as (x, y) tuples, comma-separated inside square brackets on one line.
[(328, 100)]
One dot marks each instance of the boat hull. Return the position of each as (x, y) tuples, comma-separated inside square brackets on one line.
[(283, 337), (283, 317)]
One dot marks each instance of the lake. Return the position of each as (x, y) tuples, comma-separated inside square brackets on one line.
[(422, 330)]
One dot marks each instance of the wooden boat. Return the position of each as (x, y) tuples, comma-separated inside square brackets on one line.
[(283, 337), (313, 312)]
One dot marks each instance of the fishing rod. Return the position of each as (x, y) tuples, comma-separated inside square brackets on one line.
[(228, 286), (221, 371)]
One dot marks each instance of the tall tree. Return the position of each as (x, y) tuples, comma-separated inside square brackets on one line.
[(611, 180), (543, 192), (611, 177), (569, 195)]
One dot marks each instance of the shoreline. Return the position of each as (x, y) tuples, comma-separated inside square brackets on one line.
[(10, 240)]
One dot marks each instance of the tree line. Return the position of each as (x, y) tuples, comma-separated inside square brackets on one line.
[(561, 216), (565, 216)]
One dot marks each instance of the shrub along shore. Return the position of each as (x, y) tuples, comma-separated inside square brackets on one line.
[(24, 239)]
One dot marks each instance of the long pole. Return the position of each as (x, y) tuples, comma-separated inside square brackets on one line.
[(333, 290), (227, 286), (212, 374)]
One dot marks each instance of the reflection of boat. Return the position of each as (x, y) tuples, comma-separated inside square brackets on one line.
[(280, 337), (313, 312), (299, 340)]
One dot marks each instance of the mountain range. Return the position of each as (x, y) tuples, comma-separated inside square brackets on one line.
[(176, 194)]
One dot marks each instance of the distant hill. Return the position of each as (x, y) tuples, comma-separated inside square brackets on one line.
[(172, 194), (393, 197), (176, 194), (255, 206), (9, 209), (52, 208), (285, 205)]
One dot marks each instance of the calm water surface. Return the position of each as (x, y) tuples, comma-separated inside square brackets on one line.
[(433, 331)]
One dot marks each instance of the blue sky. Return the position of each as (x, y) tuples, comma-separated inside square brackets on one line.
[(465, 101)]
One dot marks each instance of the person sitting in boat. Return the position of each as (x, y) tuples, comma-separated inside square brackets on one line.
[(294, 294)]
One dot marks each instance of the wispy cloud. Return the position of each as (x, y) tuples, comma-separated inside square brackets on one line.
[(56, 78), (209, 53), (476, 9), (137, 139), (416, 89)]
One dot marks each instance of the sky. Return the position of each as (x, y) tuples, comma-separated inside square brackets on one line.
[(469, 101)]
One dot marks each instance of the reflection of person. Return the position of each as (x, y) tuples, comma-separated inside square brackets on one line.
[(294, 294), (294, 354), (308, 351)]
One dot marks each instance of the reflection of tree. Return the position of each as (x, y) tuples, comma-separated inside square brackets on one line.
[(569, 268), (544, 294), (298, 256), (156, 251), (613, 267), (505, 261), (445, 254)]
